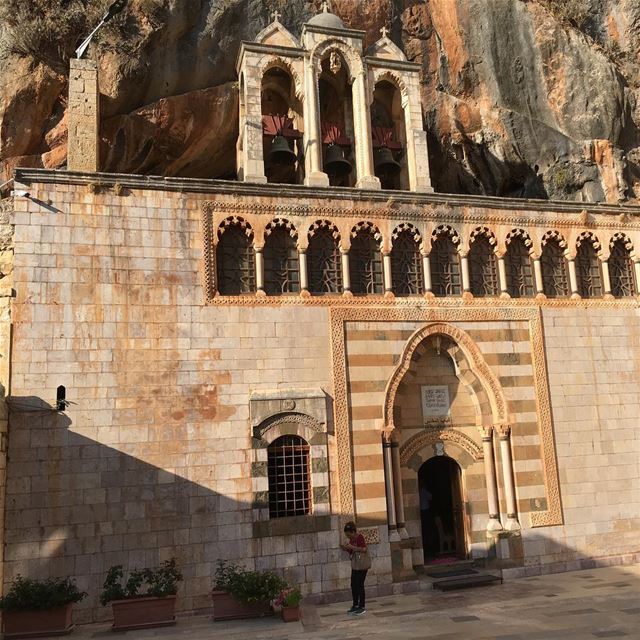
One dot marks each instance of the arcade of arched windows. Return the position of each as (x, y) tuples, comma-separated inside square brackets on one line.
[(322, 262)]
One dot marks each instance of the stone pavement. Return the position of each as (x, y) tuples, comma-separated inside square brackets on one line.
[(581, 605)]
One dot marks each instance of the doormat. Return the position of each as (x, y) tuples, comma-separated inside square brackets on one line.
[(449, 573)]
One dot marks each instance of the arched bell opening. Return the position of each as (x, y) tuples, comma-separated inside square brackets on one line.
[(389, 136), (282, 125), (336, 120)]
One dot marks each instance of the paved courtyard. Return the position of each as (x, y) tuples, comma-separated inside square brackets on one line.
[(600, 603)]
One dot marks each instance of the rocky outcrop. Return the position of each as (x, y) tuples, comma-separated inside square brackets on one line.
[(521, 98)]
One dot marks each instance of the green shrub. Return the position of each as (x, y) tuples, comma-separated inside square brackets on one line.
[(159, 582), (26, 594), (247, 586)]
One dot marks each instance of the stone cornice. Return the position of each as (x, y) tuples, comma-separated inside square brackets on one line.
[(388, 63), (28, 176), (275, 50), (329, 31)]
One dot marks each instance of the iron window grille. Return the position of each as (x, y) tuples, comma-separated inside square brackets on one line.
[(621, 272), (324, 263), (289, 477), (519, 270), (483, 268), (588, 271), (281, 263), (555, 276), (235, 261), (446, 278), (365, 264), (406, 265)]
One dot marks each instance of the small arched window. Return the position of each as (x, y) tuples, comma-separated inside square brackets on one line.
[(406, 263), (555, 275), (235, 259), (483, 268), (588, 270), (621, 271), (281, 263), (518, 268), (289, 477), (324, 261), (365, 261), (445, 267)]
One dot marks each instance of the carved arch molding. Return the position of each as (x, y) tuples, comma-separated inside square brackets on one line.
[(341, 315), (430, 438)]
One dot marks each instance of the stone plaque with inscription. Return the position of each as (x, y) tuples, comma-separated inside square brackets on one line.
[(436, 405)]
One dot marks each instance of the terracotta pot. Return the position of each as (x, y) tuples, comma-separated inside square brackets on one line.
[(291, 614), (37, 624), (143, 613), (226, 607)]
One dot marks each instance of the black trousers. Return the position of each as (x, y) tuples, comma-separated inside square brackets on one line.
[(357, 587)]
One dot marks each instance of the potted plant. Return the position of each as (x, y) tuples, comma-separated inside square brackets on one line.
[(147, 599), (289, 604), (239, 593), (34, 608)]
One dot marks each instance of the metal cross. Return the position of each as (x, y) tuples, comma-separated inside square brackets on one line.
[(384, 31), (326, 6), (276, 16)]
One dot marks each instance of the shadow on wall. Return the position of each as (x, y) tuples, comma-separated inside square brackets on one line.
[(76, 507)]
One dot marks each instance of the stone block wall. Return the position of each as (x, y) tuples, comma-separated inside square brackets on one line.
[(153, 457)]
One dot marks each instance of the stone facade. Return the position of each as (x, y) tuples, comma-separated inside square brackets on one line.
[(83, 151), (176, 390)]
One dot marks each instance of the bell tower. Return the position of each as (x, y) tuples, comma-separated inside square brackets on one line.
[(316, 111)]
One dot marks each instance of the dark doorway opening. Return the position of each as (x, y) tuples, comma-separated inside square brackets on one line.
[(441, 510)]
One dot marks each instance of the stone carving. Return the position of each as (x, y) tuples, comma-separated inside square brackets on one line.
[(300, 419), (554, 235), (589, 236), (474, 357), (281, 222), (335, 62), (431, 438)]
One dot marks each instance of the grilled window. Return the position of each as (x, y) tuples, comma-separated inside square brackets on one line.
[(445, 267), (406, 265), (365, 264), (621, 271), (235, 261), (588, 271), (555, 276), (483, 268), (518, 268), (324, 263), (289, 477), (281, 263)]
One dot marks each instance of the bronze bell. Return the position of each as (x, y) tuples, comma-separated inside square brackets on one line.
[(385, 164), (281, 152), (335, 164)]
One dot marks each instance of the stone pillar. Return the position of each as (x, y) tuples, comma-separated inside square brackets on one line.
[(504, 432), (426, 271), (389, 491), (537, 272), (397, 486), (502, 275), (314, 175), (417, 151), (464, 266), (388, 276), (252, 152), (259, 270), (346, 275), (304, 281), (83, 142), (636, 266), (366, 178), (606, 279), (490, 479), (573, 278)]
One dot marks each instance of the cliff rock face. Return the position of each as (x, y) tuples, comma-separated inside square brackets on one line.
[(528, 98)]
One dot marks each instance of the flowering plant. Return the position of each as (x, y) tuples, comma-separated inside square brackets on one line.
[(289, 597)]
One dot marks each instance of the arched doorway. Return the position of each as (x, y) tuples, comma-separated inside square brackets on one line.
[(441, 510)]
